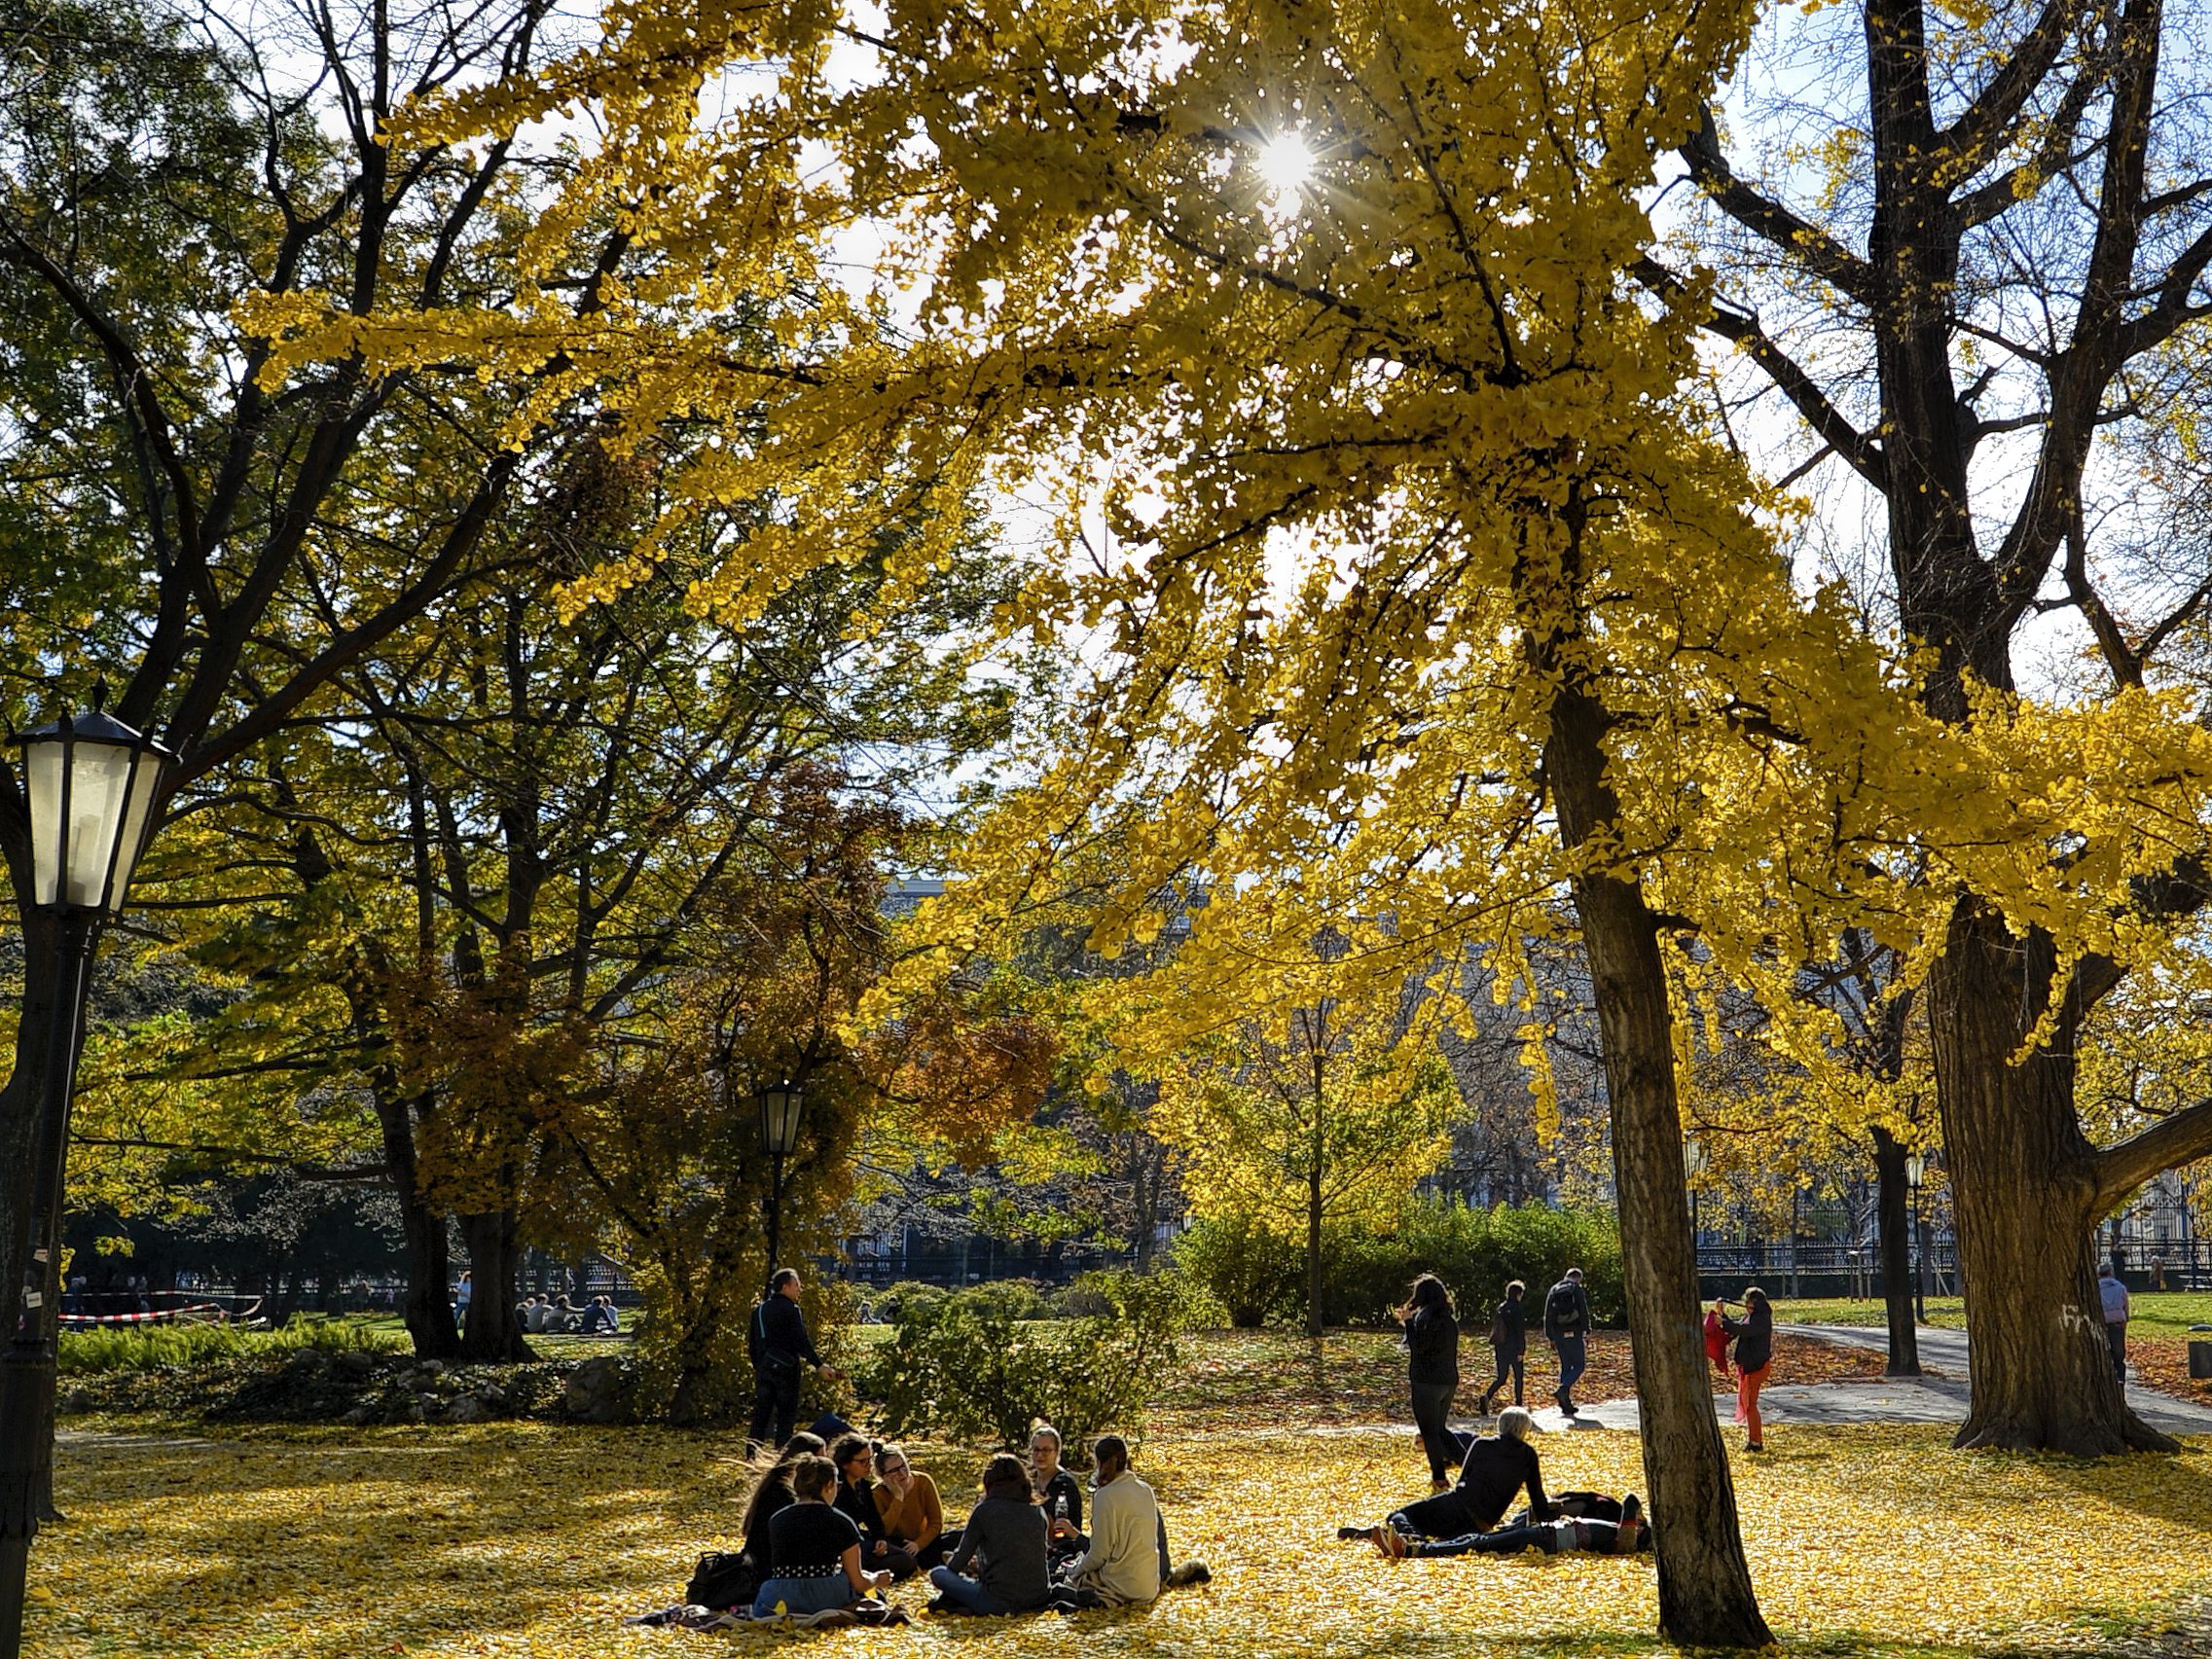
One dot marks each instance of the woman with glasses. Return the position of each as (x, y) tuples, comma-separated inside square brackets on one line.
[(907, 1508)]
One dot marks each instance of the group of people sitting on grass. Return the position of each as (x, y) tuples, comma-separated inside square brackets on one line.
[(555, 1316), (1463, 1518), (834, 1524)]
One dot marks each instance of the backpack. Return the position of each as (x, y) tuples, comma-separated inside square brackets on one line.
[(1562, 1308), (722, 1580)]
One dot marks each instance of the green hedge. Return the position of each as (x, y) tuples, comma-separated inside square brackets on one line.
[(181, 1347), (1261, 1277)]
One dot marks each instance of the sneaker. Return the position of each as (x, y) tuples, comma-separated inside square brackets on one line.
[(1188, 1574), (938, 1605)]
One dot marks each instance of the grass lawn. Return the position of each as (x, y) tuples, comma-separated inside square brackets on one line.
[(513, 1539)]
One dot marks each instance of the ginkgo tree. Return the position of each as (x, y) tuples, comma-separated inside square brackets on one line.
[(1307, 1110), (1396, 558)]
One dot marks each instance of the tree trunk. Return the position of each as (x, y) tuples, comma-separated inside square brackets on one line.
[(2023, 1197), (427, 1306), (1894, 1222), (495, 1336), (1314, 1326), (1706, 1598)]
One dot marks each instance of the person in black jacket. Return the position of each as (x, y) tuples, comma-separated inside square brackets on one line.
[(1508, 1343), (1496, 1469), (1590, 1534), (779, 1345), (771, 1494), (1567, 1327), (1754, 1354), (1432, 1369)]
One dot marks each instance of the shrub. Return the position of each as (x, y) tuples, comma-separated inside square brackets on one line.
[(1260, 1277), (1250, 1272), (1016, 1298), (887, 1303), (961, 1367), (189, 1347)]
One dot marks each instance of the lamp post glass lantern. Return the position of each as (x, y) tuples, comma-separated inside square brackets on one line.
[(1694, 1159), (91, 785), (782, 1105)]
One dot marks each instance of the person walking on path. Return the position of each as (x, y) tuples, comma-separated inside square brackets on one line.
[(1508, 1343), (777, 1341), (1755, 1357), (1567, 1327), (1433, 1370), (2114, 1295)]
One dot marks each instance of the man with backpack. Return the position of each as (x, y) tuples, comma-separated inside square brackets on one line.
[(1566, 1326)]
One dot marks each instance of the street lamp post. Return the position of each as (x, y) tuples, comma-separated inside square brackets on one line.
[(782, 1105), (1915, 1167), (1693, 1156), (92, 785)]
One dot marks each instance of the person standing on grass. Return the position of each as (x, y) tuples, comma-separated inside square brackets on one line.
[(1567, 1327), (1508, 1343), (462, 1292), (1433, 1370), (779, 1345), (1755, 1357), (2114, 1295)]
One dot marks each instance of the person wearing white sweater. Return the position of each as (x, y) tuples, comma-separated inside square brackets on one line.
[(1122, 1564)]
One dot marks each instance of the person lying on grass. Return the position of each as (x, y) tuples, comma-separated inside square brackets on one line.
[(1569, 1534), (1496, 1468)]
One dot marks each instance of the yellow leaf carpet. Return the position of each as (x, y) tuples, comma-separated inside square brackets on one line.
[(521, 1539)]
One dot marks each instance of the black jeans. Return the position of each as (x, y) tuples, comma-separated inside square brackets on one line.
[(1507, 1540), (2115, 1339), (774, 1403), (1446, 1515), (1432, 1411), (1512, 1362)]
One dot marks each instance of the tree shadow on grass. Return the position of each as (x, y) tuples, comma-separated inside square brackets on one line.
[(321, 1548)]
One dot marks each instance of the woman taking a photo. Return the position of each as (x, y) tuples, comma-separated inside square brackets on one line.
[(1433, 1370), (1754, 1354)]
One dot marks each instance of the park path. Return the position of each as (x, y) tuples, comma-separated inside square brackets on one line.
[(1940, 1397)]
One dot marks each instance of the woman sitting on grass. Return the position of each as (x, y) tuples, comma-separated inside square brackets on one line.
[(1005, 1539), (771, 1497), (816, 1550), (907, 1506)]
